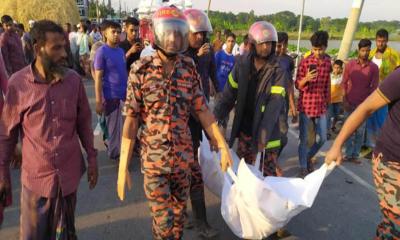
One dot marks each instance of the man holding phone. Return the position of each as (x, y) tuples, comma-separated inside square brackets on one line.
[(313, 83), (131, 45)]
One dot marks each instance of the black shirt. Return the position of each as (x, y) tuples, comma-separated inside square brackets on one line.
[(126, 45), (246, 125), (388, 142)]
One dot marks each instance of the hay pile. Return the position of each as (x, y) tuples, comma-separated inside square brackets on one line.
[(60, 11)]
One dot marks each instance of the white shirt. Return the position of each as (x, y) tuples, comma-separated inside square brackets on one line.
[(336, 80), (377, 61), (73, 41), (235, 51)]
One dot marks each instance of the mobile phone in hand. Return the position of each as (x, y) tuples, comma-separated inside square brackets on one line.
[(312, 67)]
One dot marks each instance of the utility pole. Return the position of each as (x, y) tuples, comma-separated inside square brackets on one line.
[(299, 37), (209, 5), (97, 12), (351, 28), (120, 10)]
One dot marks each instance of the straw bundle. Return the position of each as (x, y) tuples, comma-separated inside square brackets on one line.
[(60, 11)]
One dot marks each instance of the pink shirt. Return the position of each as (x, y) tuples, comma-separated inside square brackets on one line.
[(3, 82), (12, 51), (359, 81), (53, 121)]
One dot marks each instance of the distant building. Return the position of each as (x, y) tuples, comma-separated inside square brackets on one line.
[(83, 7)]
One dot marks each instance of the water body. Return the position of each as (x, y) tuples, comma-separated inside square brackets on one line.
[(335, 44)]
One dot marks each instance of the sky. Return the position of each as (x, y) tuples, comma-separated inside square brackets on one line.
[(373, 9)]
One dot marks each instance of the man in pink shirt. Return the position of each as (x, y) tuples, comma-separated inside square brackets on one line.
[(46, 104), (11, 46), (3, 89), (360, 79)]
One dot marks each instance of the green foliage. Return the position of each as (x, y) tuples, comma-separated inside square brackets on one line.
[(289, 22), (104, 11), (333, 52), (293, 48), (353, 54)]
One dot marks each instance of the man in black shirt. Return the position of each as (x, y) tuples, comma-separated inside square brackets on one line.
[(132, 45)]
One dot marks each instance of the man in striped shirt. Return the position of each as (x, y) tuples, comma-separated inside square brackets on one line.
[(47, 106)]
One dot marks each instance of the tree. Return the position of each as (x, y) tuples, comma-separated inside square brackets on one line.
[(325, 24), (104, 11), (289, 22)]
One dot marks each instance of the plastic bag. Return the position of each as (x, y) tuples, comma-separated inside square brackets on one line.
[(255, 207)]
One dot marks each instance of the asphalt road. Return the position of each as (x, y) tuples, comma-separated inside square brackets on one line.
[(346, 207)]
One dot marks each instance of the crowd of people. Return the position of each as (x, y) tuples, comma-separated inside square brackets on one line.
[(151, 98)]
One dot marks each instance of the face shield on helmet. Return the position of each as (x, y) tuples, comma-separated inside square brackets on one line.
[(198, 21), (261, 32), (170, 30)]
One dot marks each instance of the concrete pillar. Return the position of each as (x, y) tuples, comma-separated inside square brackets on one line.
[(351, 28)]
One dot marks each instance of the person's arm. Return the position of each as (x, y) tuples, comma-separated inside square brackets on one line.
[(387, 92), (209, 124), (369, 106), (291, 89), (130, 129), (129, 133), (85, 133), (99, 64), (98, 88), (345, 81), (304, 76), (272, 109), (136, 47), (292, 104), (346, 86), (9, 131)]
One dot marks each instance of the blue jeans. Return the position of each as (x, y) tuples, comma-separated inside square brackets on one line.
[(355, 141), (320, 126), (334, 112), (374, 125)]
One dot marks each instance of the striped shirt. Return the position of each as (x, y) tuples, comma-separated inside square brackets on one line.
[(53, 121)]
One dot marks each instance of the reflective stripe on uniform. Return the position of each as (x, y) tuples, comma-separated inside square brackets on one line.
[(232, 82), (278, 90), (273, 144), (262, 108)]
